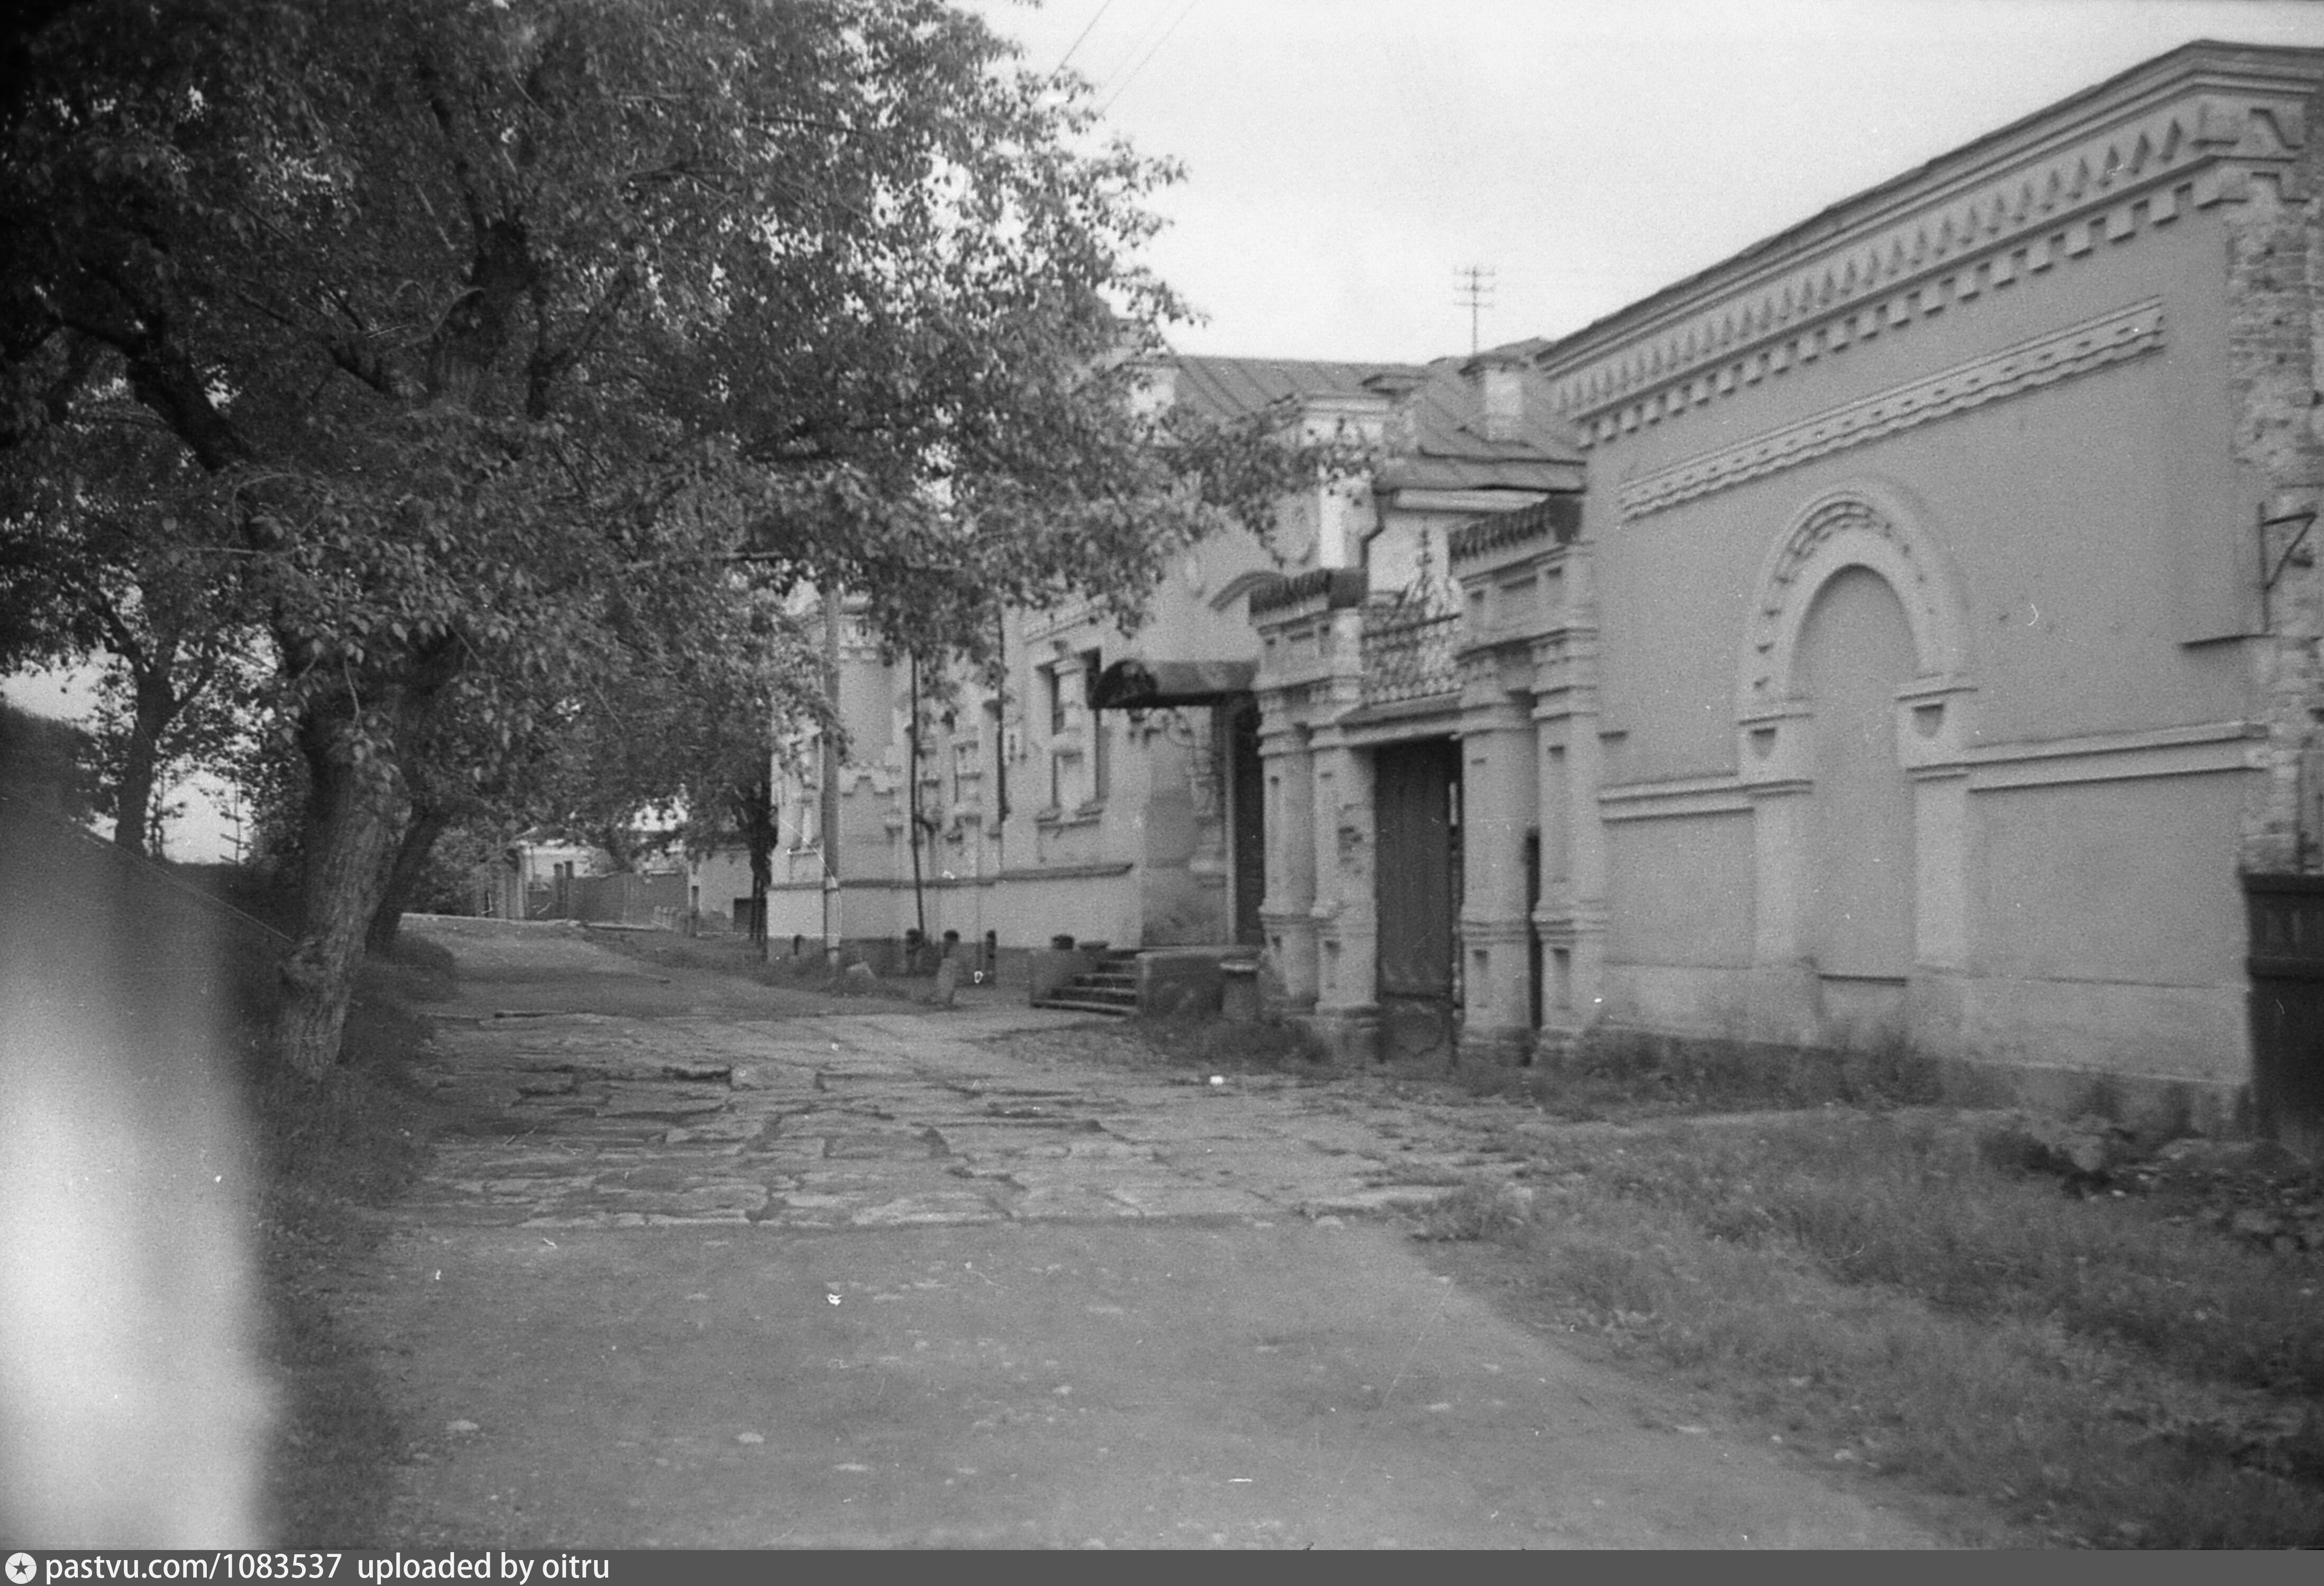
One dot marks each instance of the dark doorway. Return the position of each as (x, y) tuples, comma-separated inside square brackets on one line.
[(2287, 1007), (1532, 928), (1248, 819), (1416, 802)]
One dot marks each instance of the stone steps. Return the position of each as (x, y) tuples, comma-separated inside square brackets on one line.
[(1111, 989)]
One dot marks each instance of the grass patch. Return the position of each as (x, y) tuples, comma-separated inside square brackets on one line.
[(1878, 1292), (1230, 1047), (1477, 1211), (1631, 1077), (1266, 1051)]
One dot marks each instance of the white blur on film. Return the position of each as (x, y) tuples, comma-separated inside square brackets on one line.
[(133, 1412)]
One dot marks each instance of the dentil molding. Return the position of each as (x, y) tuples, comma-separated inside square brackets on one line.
[(2044, 360)]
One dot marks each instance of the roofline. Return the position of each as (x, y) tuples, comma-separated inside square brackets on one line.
[(1375, 364), (2061, 122)]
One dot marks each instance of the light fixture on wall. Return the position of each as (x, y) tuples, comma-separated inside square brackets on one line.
[(2296, 552)]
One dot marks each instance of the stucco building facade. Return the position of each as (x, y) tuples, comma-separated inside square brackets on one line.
[(1902, 635), (1924, 652), (1107, 790)]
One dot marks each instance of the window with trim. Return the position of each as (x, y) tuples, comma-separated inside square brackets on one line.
[(1077, 745), (1068, 790)]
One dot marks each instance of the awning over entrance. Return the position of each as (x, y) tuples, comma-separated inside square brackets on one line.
[(1142, 684)]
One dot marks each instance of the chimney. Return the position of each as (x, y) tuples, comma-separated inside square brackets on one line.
[(1501, 390)]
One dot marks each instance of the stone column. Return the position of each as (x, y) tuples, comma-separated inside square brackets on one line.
[(1287, 914), (1498, 801)]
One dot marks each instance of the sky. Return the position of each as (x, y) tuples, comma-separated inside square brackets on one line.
[(1346, 159)]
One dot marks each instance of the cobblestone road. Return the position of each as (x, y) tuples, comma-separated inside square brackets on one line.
[(700, 1263), (879, 1120)]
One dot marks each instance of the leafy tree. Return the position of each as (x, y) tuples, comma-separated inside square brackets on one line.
[(506, 331), (121, 563), (679, 720)]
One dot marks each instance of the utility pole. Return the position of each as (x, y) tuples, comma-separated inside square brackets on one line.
[(1474, 292), (830, 812)]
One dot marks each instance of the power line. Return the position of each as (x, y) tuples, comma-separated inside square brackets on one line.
[(1079, 37), (1124, 57), (1183, 13)]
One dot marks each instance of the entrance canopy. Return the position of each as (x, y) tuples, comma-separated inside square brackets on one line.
[(1142, 684)]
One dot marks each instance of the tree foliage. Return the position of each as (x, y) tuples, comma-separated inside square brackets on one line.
[(47, 765), (114, 549), (519, 343)]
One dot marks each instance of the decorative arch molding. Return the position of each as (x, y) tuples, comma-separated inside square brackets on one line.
[(1241, 584), (1875, 525), (1862, 524)]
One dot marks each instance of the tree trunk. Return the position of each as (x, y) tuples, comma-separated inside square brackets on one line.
[(354, 815), (427, 824), (154, 707), (759, 833)]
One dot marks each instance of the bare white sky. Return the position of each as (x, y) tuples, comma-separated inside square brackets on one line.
[(1344, 158)]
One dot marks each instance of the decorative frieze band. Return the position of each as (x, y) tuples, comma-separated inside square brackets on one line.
[(2093, 343)]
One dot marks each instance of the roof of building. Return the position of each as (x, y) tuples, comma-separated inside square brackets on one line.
[(1436, 431), (1440, 440), (1229, 388)]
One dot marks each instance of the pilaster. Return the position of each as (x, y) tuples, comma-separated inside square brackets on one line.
[(1500, 802), (1774, 761), (1287, 915)]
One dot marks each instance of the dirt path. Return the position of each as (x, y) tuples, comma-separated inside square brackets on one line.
[(712, 1266)]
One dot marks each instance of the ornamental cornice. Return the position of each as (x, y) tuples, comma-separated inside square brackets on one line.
[(2042, 360), (1936, 241), (1304, 594), (1556, 518), (1060, 620)]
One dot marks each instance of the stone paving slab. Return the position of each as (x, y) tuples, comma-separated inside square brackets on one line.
[(852, 1120), (885, 1120), (1011, 1298)]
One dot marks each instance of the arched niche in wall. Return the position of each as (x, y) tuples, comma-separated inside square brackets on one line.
[(1852, 679), (1873, 525)]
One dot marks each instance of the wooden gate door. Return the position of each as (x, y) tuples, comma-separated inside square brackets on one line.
[(1416, 802), (2287, 1005)]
